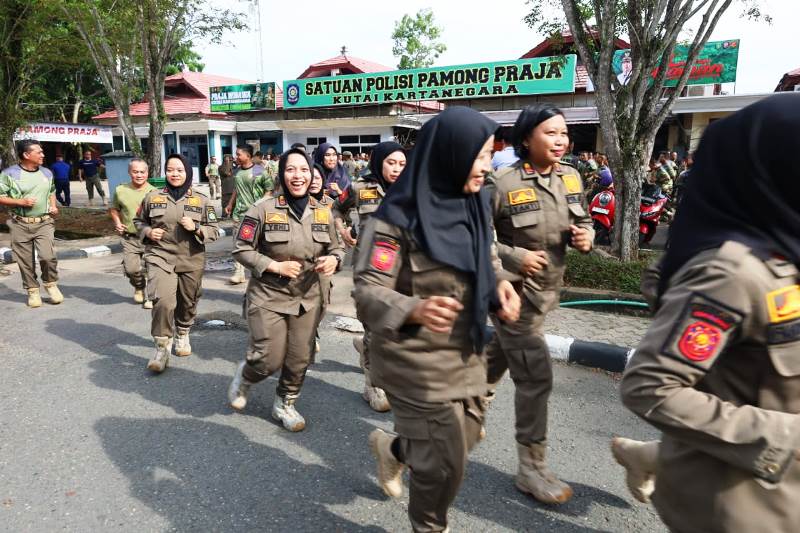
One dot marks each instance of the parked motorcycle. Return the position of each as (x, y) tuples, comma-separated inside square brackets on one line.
[(652, 206), (602, 209)]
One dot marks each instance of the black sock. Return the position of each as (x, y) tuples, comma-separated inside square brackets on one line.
[(395, 448)]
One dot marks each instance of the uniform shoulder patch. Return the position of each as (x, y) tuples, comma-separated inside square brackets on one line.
[(702, 330), (211, 214), (281, 200), (194, 201), (277, 218), (248, 230), (528, 169), (384, 253), (521, 196)]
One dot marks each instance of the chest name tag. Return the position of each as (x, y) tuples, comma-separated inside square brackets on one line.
[(573, 198), (271, 226), (572, 183), (192, 209), (157, 205)]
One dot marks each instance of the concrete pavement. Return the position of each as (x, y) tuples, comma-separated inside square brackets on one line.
[(89, 440)]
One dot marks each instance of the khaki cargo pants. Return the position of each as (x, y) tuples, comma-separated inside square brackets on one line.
[(132, 260), (280, 341), (521, 348), (214, 187), (28, 239), (435, 439), (174, 296)]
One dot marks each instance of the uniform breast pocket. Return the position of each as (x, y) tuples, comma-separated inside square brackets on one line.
[(786, 359), (431, 278), (577, 210), (367, 208), (320, 234), (525, 219), (195, 213), (157, 213), (276, 235)]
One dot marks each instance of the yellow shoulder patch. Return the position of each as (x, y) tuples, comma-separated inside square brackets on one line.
[(784, 304), (572, 183), (321, 216), (368, 194), (521, 196), (277, 218)]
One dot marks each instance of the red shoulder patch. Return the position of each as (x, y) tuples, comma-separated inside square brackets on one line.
[(700, 341), (384, 255), (247, 230)]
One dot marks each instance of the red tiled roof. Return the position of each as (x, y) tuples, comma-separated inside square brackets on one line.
[(567, 38), (789, 80), (195, 101), (356, 64)]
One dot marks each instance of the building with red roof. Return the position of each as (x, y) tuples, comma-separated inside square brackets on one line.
[(789, 82)]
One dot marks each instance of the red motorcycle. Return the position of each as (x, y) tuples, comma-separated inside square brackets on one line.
[(653, 204), (602, 210)]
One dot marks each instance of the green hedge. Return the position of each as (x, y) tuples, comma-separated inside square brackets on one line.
[(596, 272)]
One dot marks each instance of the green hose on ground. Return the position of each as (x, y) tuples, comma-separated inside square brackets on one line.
[(629, 303)]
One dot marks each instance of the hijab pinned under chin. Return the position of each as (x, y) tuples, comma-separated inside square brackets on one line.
[(180, 191), (449, 226), (296, 203), (379, 154), (745, 186)]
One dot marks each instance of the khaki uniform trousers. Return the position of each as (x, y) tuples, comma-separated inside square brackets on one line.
[(132, 260), (27, 239), (214, 187), (435, 439), (174, 296), (280, 341), (521, 348), (92, 184)]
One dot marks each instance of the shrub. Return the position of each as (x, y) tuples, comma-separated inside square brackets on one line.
[(595, 271)]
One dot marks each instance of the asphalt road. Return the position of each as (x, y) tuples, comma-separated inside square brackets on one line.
[(90, 441)]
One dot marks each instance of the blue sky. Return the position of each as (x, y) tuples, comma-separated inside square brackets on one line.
[(474, 31)]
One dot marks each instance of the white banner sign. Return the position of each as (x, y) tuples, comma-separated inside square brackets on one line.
[(73, 133)]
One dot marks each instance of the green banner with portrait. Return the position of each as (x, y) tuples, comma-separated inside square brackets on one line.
[(716, 63), (249, 97), (540, 75)]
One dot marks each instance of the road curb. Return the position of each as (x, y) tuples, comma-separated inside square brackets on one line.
[(82, 253), (590, 354)]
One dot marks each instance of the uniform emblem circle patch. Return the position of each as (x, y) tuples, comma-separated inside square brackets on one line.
[(699, 341), (383, 258)]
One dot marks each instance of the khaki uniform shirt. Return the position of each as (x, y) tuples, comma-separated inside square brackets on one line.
[(178, 250), (410, 361), (212, 169), (530, 215), (719, 373), (269, 232), (365, 196)]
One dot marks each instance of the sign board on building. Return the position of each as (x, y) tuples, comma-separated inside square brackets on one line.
[(250, 97), (540, 75), (716, 63), (68, 133)]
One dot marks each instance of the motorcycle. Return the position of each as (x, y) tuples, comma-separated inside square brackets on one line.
[(652, 206), (602, 210)]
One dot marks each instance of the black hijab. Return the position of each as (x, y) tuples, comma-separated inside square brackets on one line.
[(178, 192), (428, 200), (296, 203), (745, 186), (318, 196), (379, 154), (337, 175)]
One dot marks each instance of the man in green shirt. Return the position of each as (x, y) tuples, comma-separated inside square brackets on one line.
[(214, 185), (29, 190), (127, 199), (252, 183)]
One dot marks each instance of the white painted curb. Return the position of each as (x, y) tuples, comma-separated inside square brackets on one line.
[(96, 251)]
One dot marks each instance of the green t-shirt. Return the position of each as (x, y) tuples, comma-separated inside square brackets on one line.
[(16, 182), (212, 169), (251, 185), (127, 201)]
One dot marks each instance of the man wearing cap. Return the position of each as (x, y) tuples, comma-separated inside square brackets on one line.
[(214, 184), (29, 190), (349, 165)]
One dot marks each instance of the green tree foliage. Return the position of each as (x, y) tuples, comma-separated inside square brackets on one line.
[(416, 40), (631, 113)]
